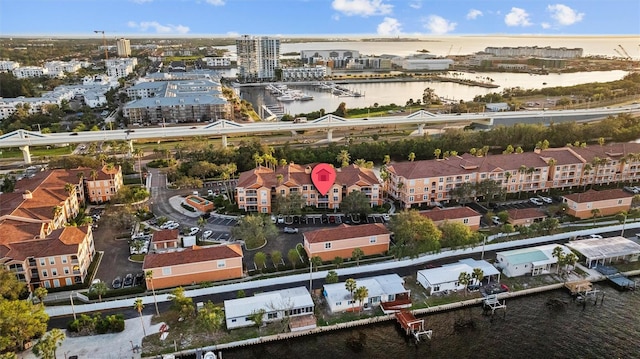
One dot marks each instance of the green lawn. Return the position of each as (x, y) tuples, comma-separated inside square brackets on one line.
[(36, 152)]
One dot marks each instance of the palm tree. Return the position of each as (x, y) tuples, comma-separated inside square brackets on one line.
[(351, 285), (138, 305), (386, 160), (595, 213), (463, 279), (259, 160), (47, 345), (437, 153), (57, 211), (477, 274), (149, 277), (69, 188), (357, 254), (559, 255), (586, 171), (361, 294), (412, 156), (93, 174), (344, 158), (40, 293), (138, 152), (100, 289)]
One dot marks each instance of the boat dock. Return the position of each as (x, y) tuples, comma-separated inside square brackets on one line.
[(492, 303), (617, 278), (412, 326), (338, 90), (284, 94)]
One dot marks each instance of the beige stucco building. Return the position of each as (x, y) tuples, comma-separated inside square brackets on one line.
[(340, 241)]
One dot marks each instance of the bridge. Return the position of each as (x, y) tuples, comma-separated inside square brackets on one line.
[(329, 123)]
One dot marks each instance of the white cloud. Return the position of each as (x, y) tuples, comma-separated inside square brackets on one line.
[(159, 28), (517, 17), (416, 4), (438, 25), (564, 15), (361, 7), (215, 2), (473, 14), (545, 25), (389, 26)]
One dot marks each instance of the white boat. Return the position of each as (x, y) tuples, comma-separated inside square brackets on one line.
[(209, 355), (286, 98), (305, 97)]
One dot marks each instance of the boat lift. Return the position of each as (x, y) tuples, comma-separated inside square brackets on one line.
[(492, 303), (412, 326)]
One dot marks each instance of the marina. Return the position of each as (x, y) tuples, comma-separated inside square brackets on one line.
[(284, 94)]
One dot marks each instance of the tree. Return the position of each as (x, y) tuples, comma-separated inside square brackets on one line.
[(351, 286), (463, 193), (414, 234), (341, 110), (211, 317), (437, 153), (138, 153), (46, 347), (257, 316), (464, 279), (332, 277), (21, 321), (595, 213), (455, 235), (276, 258), (412, 156), (488, 189), (477, 274), (386, 160), (293, 257), (343, 158), (100, 289), (255, 230), (316, 262), (356, 202), (180, 303), (356, 255), (148, 275), (10, 287), (138, 305), (559, 255), (337, 261), (260, 259), (40, 293), (361, 294)]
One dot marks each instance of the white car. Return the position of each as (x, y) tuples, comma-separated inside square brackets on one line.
[(546, 200), (193, 231), (173, 226), (280, 219), (207, 234), (496, 220), (386, 217), (536, 201)]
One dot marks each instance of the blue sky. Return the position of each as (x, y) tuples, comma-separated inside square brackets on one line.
[(315, 17)]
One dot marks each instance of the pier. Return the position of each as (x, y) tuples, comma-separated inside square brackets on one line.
[(620, 280), (412, 326), (338, 90), (492, 303)]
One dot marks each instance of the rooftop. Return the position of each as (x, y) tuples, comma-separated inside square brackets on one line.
[(345, 231), (194, 254)]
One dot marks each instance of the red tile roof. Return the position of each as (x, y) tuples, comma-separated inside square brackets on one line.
[(344, 231), (438, 215), (194, 254), (165, 235), (525, 213), (59, 242), (594, 196)]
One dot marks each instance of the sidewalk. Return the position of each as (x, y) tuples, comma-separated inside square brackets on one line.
[(105, 346)]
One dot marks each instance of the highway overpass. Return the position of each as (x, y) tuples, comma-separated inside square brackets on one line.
[(328, 123)]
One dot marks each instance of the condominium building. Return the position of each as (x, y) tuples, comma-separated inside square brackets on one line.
[(535, 51), (305, 73), (30, 71), (431, 181), (123, 47), (36, 245), (258, 58), (6, 65), (103, 184), (258, 189)]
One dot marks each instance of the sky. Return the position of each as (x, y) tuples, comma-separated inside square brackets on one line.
[(157, 18)]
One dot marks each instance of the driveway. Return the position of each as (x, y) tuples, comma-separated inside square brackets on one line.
[(115, 260)]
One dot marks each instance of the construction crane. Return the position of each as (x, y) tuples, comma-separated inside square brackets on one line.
[(625, 52), (104, 43), (449, 52), (619, 53)]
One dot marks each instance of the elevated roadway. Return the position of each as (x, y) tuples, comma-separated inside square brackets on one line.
[(222, 128)]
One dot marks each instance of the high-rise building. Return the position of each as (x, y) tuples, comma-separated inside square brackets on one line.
[(258, 58), (124, 47)]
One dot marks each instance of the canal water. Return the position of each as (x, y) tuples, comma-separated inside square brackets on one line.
[(530, 328)]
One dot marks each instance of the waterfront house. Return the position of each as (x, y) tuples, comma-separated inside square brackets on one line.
[(277, 305), (340, 241), (600, 251), (534, 260), (525, 216), (464, 215), (258, 189), (194, 265), (384, 288), (445, 278), (165, 240), (597, 203)]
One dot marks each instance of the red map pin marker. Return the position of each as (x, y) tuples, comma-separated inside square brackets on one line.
[(323, 177)]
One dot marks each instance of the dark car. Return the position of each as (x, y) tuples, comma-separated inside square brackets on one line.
[(117, 283), (73, 134), (139, 279), (128, 281)]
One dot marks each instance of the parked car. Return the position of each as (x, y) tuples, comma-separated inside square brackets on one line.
[(117, 283), (193, 231), (139, 279), (280, 219), (290, 230), (634, 190), (209, 192), (496, 220), (128, 281), (536, 201), (546, 200), (174, 226), (589, 236), (207, 234), (386, 217)]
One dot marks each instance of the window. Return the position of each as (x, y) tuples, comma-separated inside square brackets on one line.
[(45, 273), (425, 197), (64, 260), (264, 209), (335, 190), (166, 271), (67, 281), (619, 201), (54, 272), (56, 283), (338, 303), (372, 239), (221, 264), (42, 261), (411, 198), (272, 315), (305, 187), (65, 270), (465, 221), (327, 245)]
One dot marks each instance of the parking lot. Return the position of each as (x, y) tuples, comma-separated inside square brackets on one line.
[(222, 221)]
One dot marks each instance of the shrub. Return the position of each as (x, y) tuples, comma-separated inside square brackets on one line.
[(187, 207)]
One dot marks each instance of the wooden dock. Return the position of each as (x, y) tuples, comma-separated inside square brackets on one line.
[(412, 325)]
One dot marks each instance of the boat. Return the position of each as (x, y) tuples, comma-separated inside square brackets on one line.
[(209, 355), (544, 83), (285, 98), (305, 97)]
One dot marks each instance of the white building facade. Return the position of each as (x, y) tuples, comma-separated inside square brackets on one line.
[(258, 58)]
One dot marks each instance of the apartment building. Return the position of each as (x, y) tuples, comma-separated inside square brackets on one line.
[(123, 47), (6, 65), (258, 189), (597, 203), (258, 58), (103, 184), (329, 243), (431, 181), (35, 244)]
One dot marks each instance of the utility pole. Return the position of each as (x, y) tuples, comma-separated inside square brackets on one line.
[(104, 43)]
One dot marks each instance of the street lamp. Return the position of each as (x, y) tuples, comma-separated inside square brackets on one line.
[(484, 240)]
